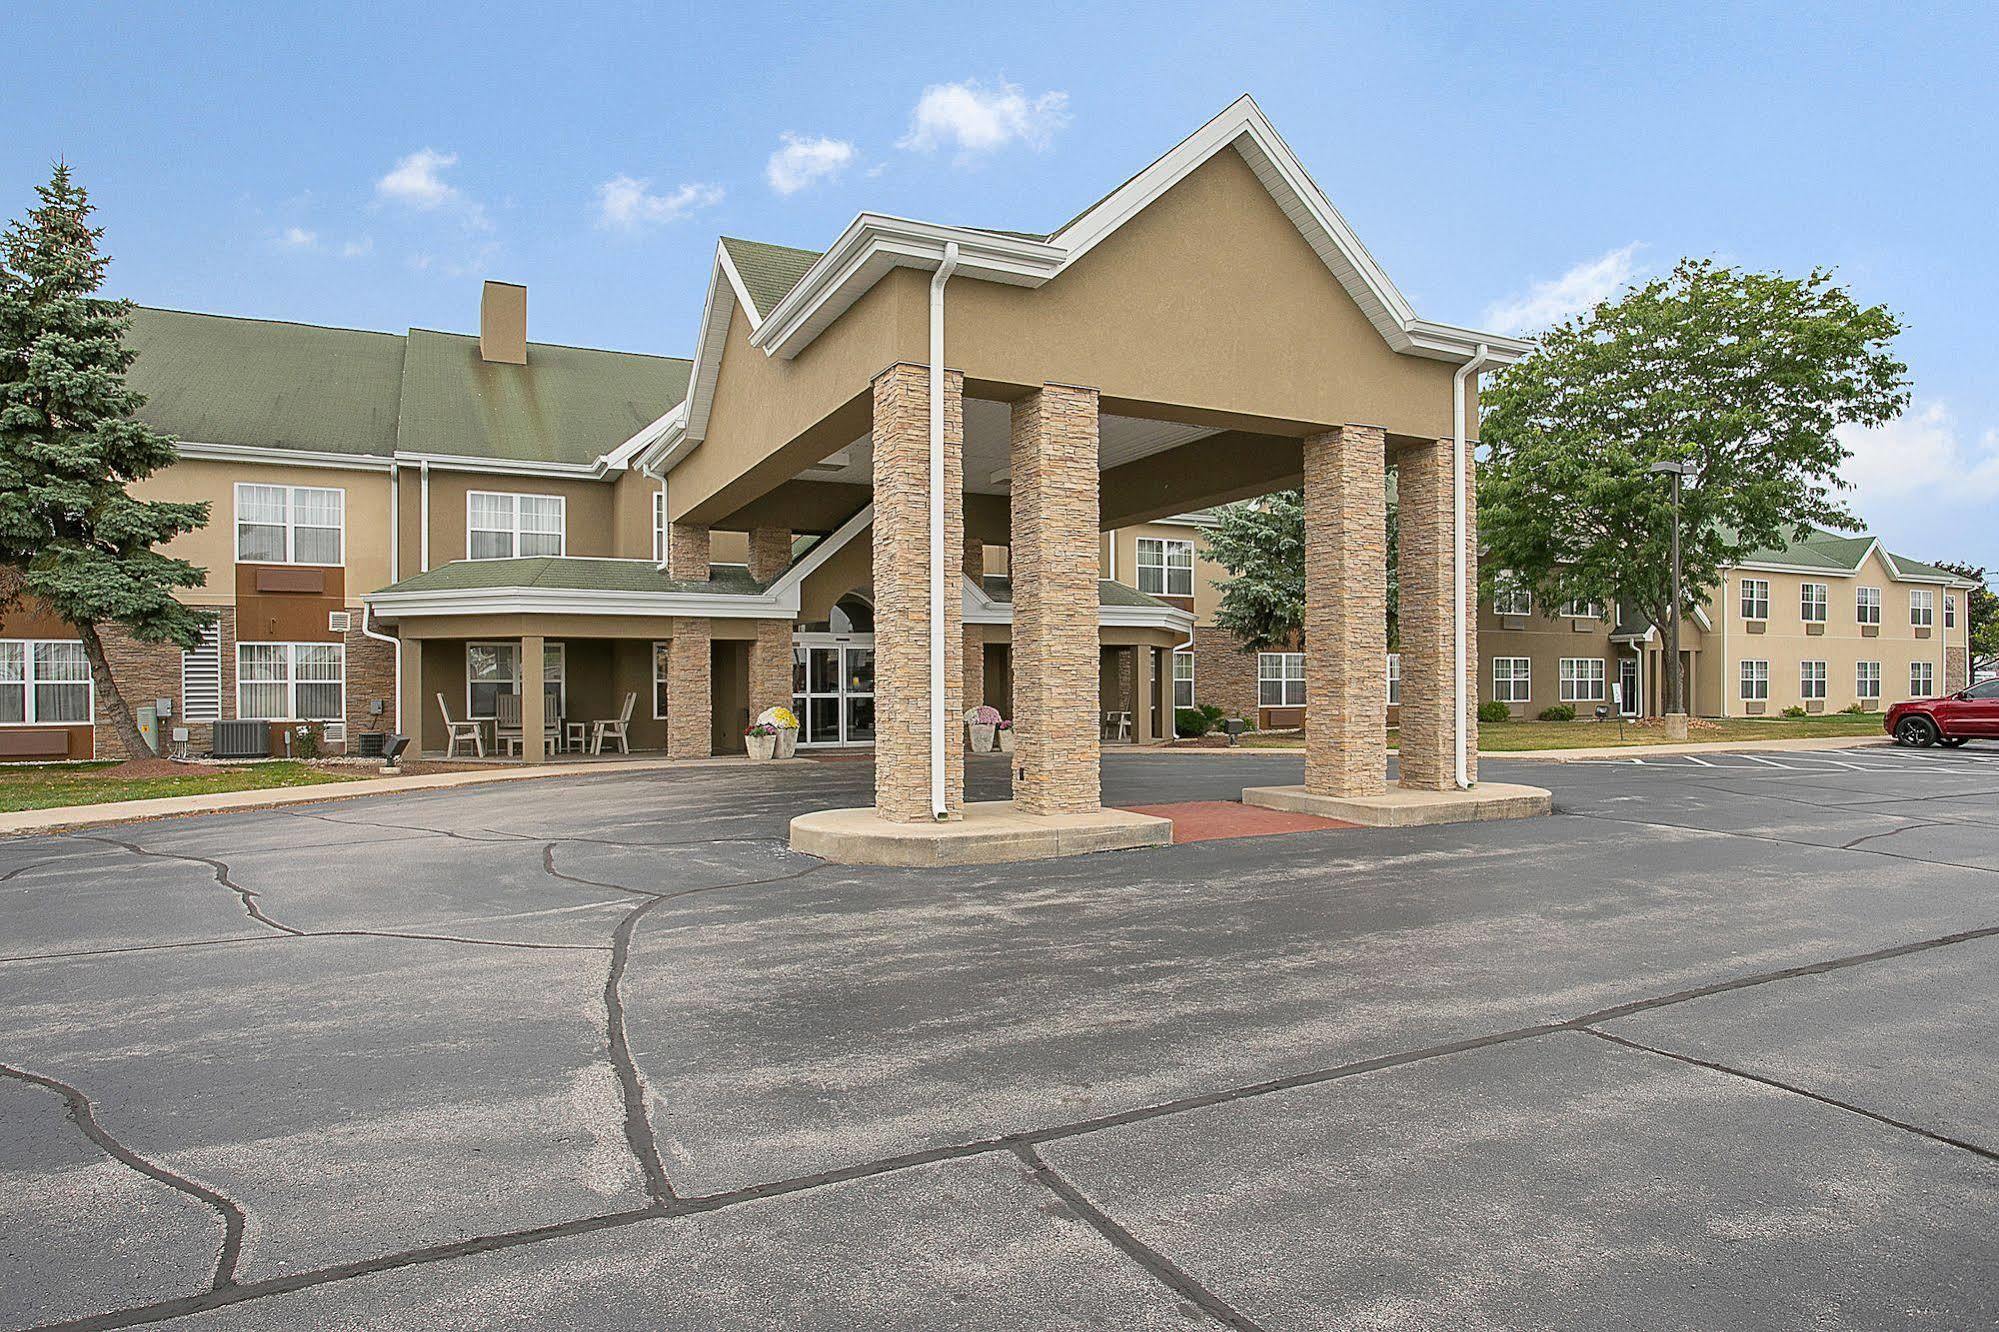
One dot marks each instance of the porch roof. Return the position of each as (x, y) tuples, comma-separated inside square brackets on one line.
[(575, 574), (999, 587)]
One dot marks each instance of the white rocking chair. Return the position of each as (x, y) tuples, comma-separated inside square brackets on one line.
[(617, 729), (461, 730)]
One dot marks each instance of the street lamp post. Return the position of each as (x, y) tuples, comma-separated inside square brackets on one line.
[(1676, 704)]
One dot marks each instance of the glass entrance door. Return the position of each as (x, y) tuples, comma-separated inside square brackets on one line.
[(1627, 686), (833, 690)]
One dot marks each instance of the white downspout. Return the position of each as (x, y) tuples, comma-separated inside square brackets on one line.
[(939, 808), (395, 524), (395, 643), (423, 515), (1460, 457)]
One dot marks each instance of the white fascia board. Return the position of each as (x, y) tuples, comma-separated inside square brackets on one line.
[(276, 457), (689, 418), (628, 454), (1755, 566), (788, 584), (572, 601), (459, 462), (743, 298)]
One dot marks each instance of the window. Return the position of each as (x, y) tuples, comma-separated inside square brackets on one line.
[(1183, 679), (1949, 611), (1811, 679), (1867, 680), (659, 527), (291, 681), (44, 682), (1922, 679), (1755, 599), (659, 675), (1583, 610), (1394, 679), (1512, 679), (1165, 567), (289, 524), (1512, 600), (1867, 605), (1756, 681), (1280, 679), (1582, 680), (1812, 600), (1922, 607), (492, 669), (201, 678), (499, 526)]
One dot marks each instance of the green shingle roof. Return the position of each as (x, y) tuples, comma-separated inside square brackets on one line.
[(1833, 553), (768, 271), (215, 379), (566, 573), (999, 588)]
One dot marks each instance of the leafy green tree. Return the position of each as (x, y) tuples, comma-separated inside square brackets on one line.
[(71, 535), (1981, 609), (1261, 543), (1743, 377)]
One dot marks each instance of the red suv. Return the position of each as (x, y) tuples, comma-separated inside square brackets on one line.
[(1969, 714)]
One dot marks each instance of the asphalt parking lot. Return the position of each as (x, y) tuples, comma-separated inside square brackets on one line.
[(1712, 1047)]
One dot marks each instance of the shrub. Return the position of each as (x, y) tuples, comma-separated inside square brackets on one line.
[(1492, 710), (1214, 714), (1191, 722), (1855, 709), (1795, 711), (1560, 712), (305, 742)]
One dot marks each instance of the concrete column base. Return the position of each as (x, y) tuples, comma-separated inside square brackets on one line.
[(992, 832), (1676, 726), (1407, 807)]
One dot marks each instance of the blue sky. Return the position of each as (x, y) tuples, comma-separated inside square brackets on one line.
[(367, 166)]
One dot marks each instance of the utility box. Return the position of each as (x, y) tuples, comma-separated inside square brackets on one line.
[(149, 727)]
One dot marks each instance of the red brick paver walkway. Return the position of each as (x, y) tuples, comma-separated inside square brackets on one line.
[(1214, 820)]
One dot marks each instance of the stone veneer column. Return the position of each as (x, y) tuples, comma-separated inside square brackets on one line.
[(687, 551), (1346, 608), (902, 593), (770, 552), (770, 667), (689, 693), (1428, 758), (1053, 563)]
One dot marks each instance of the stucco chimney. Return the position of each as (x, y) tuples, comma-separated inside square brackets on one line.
[(503, 323)]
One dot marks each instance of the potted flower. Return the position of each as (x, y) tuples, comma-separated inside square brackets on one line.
[(786, 723), (761, 740), (982, 721), (1003, 734)]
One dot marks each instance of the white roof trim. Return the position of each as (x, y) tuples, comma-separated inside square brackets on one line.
[(277, 457), (788, 583), (572, 601), (462, 462)]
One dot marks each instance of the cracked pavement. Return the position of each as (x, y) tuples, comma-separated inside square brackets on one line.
[(1712, 1047)]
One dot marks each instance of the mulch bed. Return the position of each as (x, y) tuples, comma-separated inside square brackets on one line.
[(149, 768)]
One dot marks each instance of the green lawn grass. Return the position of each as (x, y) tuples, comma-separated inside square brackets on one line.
[(53, 785), (1519, 737)]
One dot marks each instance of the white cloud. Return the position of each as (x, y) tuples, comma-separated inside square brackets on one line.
[(417, 181), (1923, 455), (806, 160), (975, 118), (1548, 303), (298, 238), (356, 249), (626, 203)]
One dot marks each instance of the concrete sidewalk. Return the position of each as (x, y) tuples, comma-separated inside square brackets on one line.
[(216, 802), (1585, 752)]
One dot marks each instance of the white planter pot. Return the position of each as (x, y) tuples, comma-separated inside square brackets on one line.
[(787, 741), (982, 738), (761, 747), (1005, 740)]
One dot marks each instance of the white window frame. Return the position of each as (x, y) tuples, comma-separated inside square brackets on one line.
[(1163, 566), (1922, 607), (1578, 609), (1754, 678), (1755, 603), (1925, 687), (1512, 601), (661, 675), (192, 685), (1275, 668), (1395, 679), (290, 682), (560, 678), (290, 523), (32, 680), (1179, 659), (658, 526), (1808, 603), (1867, 679), (1517, 684), (515, 531), (1867, 605), (1949, 611), (1812, 680), (1573, 680)]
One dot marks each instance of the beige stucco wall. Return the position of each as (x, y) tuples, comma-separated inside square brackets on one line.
[(1544, 639), (1207, 598), (365, 543)]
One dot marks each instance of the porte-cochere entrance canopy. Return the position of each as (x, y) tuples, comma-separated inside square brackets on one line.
[(1211, 330)]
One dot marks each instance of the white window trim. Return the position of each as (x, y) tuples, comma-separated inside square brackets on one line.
[(658, 526), (1566, 680), (1923, 691), (1861, 682), (1746, 677), (1861, 606), (1923, 600), (1808, 680), (1590, 609), (1499, 598), (1806, 600), (1395, 679), (1284, 682), (291, 681), (1759, 597), (562, 659), (1949, 611), (1188, 657), (290, 523), (28, 681), (1165, 566), (1524, 678), (561, 531), (659, 663)]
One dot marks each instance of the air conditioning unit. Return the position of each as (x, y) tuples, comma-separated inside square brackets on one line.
[(338, 621), (241, 739), (334, 733)]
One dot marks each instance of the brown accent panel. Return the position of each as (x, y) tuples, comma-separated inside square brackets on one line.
[(284, 603), (288, 578), (29, 617), (20, 743)]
